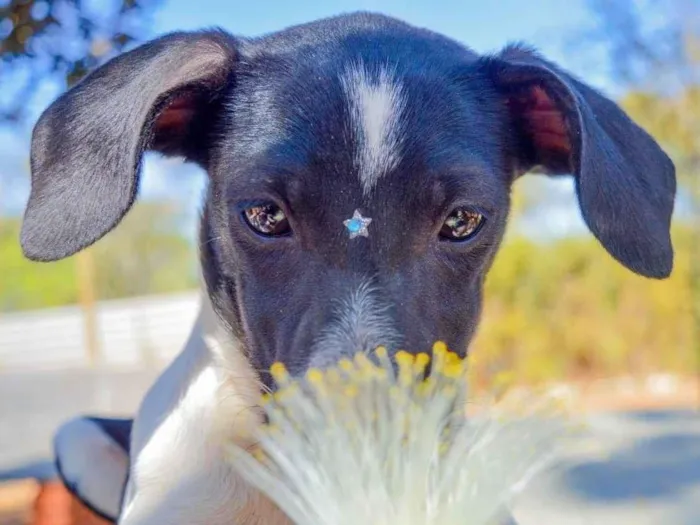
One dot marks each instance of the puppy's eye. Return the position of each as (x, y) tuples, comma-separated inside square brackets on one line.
[(267, 219), (462, 224)]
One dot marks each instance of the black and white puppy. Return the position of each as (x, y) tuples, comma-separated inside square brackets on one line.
[(358, 116)]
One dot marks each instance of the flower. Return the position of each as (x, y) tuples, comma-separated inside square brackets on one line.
[(370, 443)]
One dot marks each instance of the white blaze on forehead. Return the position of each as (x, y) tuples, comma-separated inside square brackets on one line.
[(376, 106)]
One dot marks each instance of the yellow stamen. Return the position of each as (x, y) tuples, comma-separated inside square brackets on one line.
[(346, 365), (403, 358), (452, 358), (279, 373), (314, 376), (439, 347), (453, 370), (439, 356), (426, 387), (366, 367), (381, 352), (351, 391), (405, 362), (422, 361)]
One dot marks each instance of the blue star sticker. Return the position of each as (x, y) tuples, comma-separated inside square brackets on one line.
[(357, 226)]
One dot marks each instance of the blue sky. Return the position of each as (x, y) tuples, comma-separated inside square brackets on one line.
[(484, 26), (480, 25)]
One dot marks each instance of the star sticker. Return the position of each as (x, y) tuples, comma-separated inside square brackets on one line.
[(357, 226)]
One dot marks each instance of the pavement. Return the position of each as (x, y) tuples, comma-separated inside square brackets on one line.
[(34, 404), (631, 468)]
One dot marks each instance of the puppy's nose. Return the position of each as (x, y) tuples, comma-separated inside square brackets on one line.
[(361, 322)]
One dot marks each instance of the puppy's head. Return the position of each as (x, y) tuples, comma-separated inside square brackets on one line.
[(300, 129)]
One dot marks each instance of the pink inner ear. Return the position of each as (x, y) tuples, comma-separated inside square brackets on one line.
[(175, 118), (544, 122)]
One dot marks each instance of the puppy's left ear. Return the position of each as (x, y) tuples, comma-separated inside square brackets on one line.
[(625, 183)]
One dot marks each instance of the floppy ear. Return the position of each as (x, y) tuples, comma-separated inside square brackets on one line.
[(625, 183), (87, 146)]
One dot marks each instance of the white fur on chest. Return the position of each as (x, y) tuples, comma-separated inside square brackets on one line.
[(180, 473)]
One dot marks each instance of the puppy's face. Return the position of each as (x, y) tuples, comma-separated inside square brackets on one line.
[(356, 116), (307, 144)]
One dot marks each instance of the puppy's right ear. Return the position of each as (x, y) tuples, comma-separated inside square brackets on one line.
[(87, 146)]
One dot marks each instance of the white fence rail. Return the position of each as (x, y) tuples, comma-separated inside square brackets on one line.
[(131, 332)]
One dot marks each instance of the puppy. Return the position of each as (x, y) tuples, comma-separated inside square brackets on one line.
[(359, 178)]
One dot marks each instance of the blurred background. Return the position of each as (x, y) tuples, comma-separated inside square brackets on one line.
[(89, 333)]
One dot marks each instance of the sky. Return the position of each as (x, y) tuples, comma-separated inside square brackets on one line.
[(476, 23), (484, 26)]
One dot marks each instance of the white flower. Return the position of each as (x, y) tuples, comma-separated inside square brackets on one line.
[(361, 444)]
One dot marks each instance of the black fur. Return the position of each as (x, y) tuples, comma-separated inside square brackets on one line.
[(87, 146), (625, 184), (268, 120)]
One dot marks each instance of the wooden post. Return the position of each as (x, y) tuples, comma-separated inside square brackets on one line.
[(85, 267)]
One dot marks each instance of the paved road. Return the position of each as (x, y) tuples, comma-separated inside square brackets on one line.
[(640, 468), (33, 404), (633, 469)]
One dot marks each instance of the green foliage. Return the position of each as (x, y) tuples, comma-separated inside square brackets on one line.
[(25, 284), (567, 308), (147, 254), (62, 40), (673, 120), (653, 52)]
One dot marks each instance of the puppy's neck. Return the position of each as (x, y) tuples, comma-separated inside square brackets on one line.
[(236, 415), (208, 397)]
